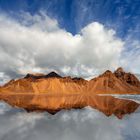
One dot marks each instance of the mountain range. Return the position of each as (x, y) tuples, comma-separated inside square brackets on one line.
[(119, 82), (52, 92)]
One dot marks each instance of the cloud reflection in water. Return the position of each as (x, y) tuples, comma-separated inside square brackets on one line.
[(84, 124)]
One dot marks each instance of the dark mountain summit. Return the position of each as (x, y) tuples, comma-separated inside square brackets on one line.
[(52, 74), (40, 75)]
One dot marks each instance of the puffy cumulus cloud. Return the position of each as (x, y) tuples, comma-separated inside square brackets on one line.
[(36, 43)]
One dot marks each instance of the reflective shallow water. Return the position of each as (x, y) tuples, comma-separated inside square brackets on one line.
[(84, 124), (132, 97)]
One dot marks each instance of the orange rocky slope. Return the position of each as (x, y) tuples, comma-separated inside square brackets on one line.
[(50, 85), (118, 82)]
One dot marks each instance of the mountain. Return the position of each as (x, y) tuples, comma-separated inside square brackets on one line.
[(51, 83), (118, 82), (40, 75), (127, 77), (53, 92)]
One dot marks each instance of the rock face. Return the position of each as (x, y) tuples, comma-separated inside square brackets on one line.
[(127, 77), (118, 82), (52, 92)]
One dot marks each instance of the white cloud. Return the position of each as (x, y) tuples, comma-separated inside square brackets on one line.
[(37, 44)]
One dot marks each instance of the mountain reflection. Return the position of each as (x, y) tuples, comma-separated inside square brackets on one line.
[(81, 124)]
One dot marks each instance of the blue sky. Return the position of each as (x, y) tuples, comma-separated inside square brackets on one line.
[(122, 15), (86, 36)]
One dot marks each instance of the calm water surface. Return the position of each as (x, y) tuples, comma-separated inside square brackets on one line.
[(84, 124)]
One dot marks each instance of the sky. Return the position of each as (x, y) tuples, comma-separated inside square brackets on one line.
[(71, 37)]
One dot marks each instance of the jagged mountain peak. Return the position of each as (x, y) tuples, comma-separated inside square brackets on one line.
[(120, 69), (53, 74), (41, 75), (129, 78), (107, 73)]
